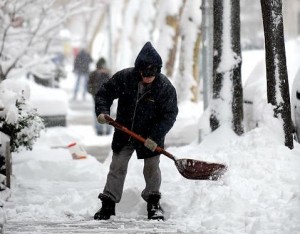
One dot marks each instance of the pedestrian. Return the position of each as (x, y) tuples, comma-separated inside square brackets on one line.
[(147, 105), (96, 79), (81, 69)]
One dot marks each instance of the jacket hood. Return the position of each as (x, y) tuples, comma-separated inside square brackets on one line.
[(148, 56)]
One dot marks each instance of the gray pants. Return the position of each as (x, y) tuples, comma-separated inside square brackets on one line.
[(118, 170)]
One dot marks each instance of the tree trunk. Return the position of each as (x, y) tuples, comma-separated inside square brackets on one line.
[(276, 70), (237, 96), (207, 50), (96, 31), (2, 76), (196, 58), (173, 21), (227, 99), (217, 77)]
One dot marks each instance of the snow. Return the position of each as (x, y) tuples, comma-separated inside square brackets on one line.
[(227, 60), (258, 194), (42, 98), (255, 85), (9, 94)]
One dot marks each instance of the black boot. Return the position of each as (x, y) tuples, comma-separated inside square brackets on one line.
[(107, 209), (153, 207)]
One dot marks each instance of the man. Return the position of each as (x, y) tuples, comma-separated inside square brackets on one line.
[(148, 106), (96, 79), (81, 69)]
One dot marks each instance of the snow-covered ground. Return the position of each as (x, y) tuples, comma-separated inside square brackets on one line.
[(260, 192)]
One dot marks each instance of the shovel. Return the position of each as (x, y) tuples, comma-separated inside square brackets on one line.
[(188, 168)]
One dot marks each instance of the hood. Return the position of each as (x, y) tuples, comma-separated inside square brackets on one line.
[(148, 56)]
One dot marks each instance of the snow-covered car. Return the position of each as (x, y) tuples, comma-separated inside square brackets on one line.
[(255, 84), (295, 104), (254, 87), (51, 104), (50, 72)]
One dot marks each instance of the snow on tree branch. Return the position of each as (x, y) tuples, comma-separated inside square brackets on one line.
[(29, 26)]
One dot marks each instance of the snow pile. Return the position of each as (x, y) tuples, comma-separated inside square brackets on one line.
[(18, 119), (43, 97), (11, 92), (258, 194)]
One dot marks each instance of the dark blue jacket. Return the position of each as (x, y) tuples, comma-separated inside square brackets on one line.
[(82, 62), (149, 115)]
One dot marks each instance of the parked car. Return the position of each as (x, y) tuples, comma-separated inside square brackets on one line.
[(50, 72), (295, 105), (51, 104), (255, 85)]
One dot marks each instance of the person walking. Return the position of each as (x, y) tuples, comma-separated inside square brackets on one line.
[(147, 105), (81, 69), (96, 79)]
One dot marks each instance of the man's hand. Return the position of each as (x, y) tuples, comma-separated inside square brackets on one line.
[(150, 144), (101, 119)]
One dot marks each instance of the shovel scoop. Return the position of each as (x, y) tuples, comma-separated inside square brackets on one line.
[(189, 168), (199, 170)]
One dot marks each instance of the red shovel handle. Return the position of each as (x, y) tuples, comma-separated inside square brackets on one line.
[(188, 168), (136, 136)]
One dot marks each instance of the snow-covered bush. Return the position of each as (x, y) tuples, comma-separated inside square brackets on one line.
[(18, 119)]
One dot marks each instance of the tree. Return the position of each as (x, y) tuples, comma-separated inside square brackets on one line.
[(227, 100), (173, 21), (207, 50), (28, 31), (19, 120), (130, 30), (276, 70), (187, 77), (168, 14)]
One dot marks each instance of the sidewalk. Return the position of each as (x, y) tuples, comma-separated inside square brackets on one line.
[(54, 194), (81, 227), (81, 114)]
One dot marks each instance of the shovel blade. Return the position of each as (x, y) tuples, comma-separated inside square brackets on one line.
[(199, 170)]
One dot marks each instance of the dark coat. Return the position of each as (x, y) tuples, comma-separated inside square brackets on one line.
[(96, 79), (151, 115), (82, 62)]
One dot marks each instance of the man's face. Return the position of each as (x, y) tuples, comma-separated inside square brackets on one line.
[(148, 74), (148, 79)]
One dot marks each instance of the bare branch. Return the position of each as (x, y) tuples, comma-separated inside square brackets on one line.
[(28, 45)]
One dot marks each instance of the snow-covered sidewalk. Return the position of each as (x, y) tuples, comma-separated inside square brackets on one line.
[(52, 193), (81, 227), (260, 193)]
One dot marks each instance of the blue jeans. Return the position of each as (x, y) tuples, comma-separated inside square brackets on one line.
[(81, 77)]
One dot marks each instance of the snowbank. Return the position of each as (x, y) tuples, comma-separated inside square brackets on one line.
[(258, 194)]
